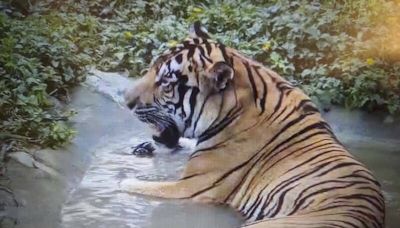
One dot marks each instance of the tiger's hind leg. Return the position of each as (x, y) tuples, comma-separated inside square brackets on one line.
[(317, 220), (289, 222)]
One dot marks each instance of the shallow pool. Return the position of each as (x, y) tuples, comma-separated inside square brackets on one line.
[(384, 161), (97, 202)]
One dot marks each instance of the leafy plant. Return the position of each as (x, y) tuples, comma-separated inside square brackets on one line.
[(40, 58), (327, 48)]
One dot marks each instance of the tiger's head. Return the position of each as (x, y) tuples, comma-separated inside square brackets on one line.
[(191, 91)]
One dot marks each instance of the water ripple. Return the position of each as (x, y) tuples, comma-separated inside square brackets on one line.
[(97, 201)]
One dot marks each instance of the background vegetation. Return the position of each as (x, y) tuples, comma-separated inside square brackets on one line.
[(342, 52)]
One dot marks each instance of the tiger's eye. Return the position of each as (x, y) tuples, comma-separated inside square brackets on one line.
[(168, 88)]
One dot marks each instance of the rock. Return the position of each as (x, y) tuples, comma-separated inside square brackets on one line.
[(112, 85), (29, 161), (7, 222), (46, 169), (7, 198), (48, 157), (8, 205), (389, 120), (56, 103), (23, 158)]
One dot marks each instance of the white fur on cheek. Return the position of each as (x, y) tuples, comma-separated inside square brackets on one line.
[(188, 143), (185, 143), (162, 149)]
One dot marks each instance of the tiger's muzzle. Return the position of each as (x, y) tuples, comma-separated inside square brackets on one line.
[(166, 127)]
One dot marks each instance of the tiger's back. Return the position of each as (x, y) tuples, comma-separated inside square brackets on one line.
[(290, 162), (263, 147)]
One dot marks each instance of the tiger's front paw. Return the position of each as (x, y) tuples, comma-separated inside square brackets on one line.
[(133, 186), (145, 149)]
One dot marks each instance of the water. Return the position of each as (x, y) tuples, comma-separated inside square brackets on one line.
[(384, 161), (375, 141), (97, 202)]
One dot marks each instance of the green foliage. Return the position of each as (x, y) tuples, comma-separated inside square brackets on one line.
[(40, 58), (338, 52)]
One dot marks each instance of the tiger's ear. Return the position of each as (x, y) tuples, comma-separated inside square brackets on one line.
[(220, 75), (198, 31)]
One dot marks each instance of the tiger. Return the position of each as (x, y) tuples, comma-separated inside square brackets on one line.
[(262, 146)]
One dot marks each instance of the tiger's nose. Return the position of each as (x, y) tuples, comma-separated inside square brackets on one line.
[(131, 104), (136, 103), (137, 94), (131, 100)]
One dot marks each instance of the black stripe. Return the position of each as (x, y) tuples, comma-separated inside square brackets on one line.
[(192, 103), (277, 188), (191, 176), (199, 115), (378, 204), (199, 32), (208, 47), (202, 61), (313, 158), (291, 180), (342, 155), (293, 152), (345, 222), (306, 129), (198, 152), (223, 52), (361, 176), (252, 83), (179, 58), (280, 202), (287, 147), (282, 87), (203, 54), (341, 165), (182, 89), (209, 133), (300, 200), (280, 113), (265, 91), (191, 51), (220, 179), (371, 217)]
